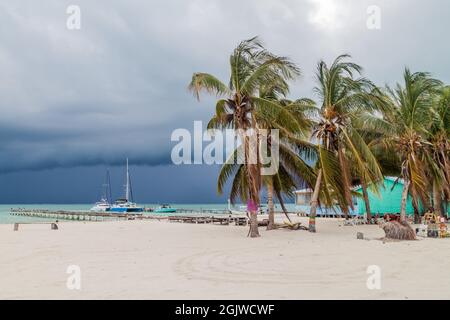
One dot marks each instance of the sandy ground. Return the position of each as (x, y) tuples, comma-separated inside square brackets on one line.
[(160, 260)]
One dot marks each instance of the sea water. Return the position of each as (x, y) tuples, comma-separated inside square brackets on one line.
[(6, 218)]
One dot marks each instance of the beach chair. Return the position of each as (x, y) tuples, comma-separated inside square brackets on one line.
[(53, 225)]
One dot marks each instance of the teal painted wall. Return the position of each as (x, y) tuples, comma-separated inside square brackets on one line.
[(389, 200)]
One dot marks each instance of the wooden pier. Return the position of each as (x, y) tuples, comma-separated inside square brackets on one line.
[(237, 220), (71, 215), (198, 218)]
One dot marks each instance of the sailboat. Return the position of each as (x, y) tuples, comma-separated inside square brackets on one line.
[(103, 204), (125, 205)]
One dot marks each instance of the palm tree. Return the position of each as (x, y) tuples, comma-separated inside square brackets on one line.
[(251, 66), (342, 96), (388, 162), (293, 170), (404, 123), (287, 181), (439, 133)]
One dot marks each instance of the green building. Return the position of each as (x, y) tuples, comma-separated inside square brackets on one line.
[(389, 199)]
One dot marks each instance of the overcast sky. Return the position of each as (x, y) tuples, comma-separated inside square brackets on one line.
[(75, 101)]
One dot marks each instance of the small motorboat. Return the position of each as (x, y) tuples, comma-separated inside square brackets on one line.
[(165, 208)]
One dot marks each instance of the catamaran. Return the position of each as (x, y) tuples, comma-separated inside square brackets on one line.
[(103, 204), (125, 205)]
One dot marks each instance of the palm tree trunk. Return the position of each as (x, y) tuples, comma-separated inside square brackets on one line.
[(404, 199), (346, 215), (254, 196), (366, 199), (315, 203), (345, 181), (254, 232), (416, 211), (283, 207), (437, 200), (271, 208), (254, 179)]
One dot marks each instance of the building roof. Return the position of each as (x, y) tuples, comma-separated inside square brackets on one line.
[(392, 179)]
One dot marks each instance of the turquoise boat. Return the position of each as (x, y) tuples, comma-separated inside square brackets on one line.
[(165, 208)]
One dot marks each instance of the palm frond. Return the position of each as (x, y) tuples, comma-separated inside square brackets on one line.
[(209, 83)]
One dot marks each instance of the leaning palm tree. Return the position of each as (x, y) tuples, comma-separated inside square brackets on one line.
[(294, 144), (343, 95), (405, 123), (439, 137), (251, 66), (388, 161)]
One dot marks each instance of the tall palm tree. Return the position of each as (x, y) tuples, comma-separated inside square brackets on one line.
[(293, 171), (251, 67), (405, 123), (343, 94)]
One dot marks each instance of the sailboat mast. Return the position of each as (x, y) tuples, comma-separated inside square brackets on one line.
[(105, 187), (127, 185), (108, 181)]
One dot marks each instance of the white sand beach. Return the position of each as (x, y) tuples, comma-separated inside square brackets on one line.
[(160, 260)]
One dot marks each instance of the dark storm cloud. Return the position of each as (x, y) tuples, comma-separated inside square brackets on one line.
[(117, 87)]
